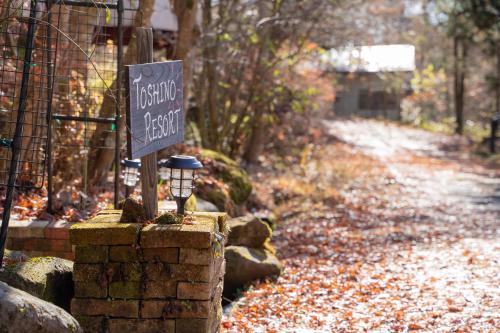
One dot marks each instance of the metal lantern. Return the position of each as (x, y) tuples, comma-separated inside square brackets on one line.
[(182, 175), (131, 172), (164, 170)]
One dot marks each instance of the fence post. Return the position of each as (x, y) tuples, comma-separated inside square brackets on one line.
[(18, 133), (149, 175), (494, 128)]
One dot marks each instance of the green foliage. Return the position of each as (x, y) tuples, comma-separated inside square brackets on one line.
[(428, 99), (248, 50)]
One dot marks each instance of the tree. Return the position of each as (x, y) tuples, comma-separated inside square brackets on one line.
[(243, 49), (486, 17), (186, 11)]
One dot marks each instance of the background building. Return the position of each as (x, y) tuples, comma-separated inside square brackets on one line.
[(371, 80)]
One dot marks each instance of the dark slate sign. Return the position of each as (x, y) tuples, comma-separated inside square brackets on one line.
[(155, 112)]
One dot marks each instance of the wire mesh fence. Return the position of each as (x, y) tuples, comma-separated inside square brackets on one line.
[(23, 63), (86, 100), (73, 101)]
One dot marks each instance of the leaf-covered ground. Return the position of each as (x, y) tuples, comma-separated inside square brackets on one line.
[(382, 229)]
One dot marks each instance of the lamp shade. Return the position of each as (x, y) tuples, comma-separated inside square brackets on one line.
[(183, 162)]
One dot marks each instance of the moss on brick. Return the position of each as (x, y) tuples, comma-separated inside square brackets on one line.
[(124, 271), (125, 290), (104, 233), (91, 254), (124, 253), (108, 218), (169, 218), (177, 235)]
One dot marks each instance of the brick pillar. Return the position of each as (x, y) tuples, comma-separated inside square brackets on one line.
[(155, 278)]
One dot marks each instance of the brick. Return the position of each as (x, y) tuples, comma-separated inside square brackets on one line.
[(141, 326), (58, 230), (101, 307), (58, 245), (40, 244), (88, 272), (191, 325), (217, 291), (164, 254), (196, 256), (24, 244), (27, 229), (35, 253), (91, 289), (183, 272), (175, 309), (104, 233), (160, 289), (91, 324), (125, 290), (9, 244), (173, 235), (219, 218), (158, 271), (124, 271), (215, 317), (105, 218), (91, 254), (64, 255), (124, 253), (110, 212), (194, 291), (192, 273), (217, 267)]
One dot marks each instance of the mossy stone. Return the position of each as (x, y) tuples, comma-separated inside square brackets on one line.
[(232, 174), (48, 278), (169, 218), (133, 211)]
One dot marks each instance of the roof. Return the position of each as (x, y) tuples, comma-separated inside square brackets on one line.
[(163, 17), (374, 58)]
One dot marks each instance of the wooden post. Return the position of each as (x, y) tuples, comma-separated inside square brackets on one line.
[(149, 175)]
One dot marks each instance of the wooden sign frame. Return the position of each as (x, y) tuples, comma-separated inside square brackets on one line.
[(155, 107)]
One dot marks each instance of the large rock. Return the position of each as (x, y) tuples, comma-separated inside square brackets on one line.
[(244, 265), (48, 278), (218, 194), (206, 206), (232, 174), (248, 231), (21, 312)]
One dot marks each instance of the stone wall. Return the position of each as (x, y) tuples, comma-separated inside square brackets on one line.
[(40, 238), (154, 278)]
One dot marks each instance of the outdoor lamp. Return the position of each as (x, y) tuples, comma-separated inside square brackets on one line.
[(164, 170), (182, 175), (131, 172)]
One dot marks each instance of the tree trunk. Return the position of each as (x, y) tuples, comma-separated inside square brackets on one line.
[(101, 159), (497, 83), (460, 55), (255, 144), (185, 10), (210, 71)]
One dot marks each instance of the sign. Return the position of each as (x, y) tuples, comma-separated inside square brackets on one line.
[(155, 107)]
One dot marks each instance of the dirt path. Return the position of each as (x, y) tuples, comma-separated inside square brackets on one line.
[(383, 229)]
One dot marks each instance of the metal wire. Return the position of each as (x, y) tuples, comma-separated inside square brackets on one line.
[(74, 88), (13, 35)]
